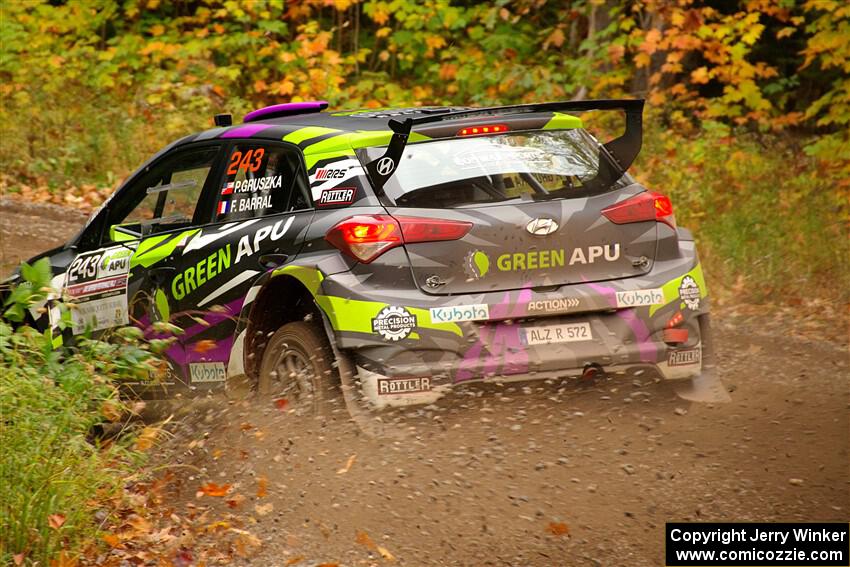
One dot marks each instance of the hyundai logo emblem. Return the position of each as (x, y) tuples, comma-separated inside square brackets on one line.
[(385, 165), (541, 227)]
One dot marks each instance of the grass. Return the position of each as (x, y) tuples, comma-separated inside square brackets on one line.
[(770, 221), (56, 481)]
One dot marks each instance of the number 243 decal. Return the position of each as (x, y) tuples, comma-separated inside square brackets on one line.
[(250, 160)]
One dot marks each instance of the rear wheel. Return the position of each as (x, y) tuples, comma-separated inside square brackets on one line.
[(297, 367)]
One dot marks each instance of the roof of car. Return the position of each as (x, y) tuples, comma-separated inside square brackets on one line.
[(348, 128)]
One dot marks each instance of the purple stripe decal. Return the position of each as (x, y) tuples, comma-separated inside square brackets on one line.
[(245, 131), (286, 109)]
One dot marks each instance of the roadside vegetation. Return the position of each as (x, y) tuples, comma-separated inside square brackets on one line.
[(61, 484)]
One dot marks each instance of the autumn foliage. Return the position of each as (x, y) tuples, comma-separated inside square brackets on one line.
[(92, 88)]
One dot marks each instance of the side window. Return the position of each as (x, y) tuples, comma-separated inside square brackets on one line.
[(259, 180), (164, 199)]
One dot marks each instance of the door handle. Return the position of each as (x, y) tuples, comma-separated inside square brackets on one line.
[(160, 275), (272, 261)]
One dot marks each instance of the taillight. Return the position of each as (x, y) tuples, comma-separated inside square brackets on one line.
[(483, 129), (645, 206), (365, 237)]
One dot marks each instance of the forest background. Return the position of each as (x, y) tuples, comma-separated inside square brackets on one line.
[(748, 103)]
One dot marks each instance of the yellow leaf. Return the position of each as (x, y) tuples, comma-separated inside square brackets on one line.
[(348, 464), (700, 75), (383, 32)]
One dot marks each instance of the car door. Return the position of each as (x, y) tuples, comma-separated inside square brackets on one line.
[(157, 207), (257, 209)]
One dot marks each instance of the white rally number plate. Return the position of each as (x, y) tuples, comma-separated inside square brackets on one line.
[(548, 334)]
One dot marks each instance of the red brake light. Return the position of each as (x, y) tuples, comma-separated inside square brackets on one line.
[(645, 206), (365, 237), (483, 129)]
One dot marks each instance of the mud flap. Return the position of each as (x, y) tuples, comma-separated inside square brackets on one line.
[(706, 387)]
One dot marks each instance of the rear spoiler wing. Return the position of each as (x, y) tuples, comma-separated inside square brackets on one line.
[(622, 150)]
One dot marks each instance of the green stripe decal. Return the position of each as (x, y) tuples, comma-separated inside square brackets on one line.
[(354, 315), (309, 132), (152, 250), (671, 288), (561, 121)]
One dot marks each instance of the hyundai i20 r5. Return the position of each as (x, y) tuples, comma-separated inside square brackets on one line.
[(402, 251)]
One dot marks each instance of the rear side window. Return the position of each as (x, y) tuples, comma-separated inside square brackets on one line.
[(259, 180), (532, 165)]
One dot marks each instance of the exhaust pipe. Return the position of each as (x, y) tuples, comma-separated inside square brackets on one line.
[(591, 372)]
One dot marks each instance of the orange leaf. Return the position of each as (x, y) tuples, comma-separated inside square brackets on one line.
[(213, 489), (204, 345), (558, 528), (294, 560), (63, 561), (146, 438), (364, 540), (235, 501), (281, 403), (262, 486), (112, 539), (55, 521), (19, 558)]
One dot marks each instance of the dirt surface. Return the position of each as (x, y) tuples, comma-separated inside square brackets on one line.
[(534, 474), (27, 229)]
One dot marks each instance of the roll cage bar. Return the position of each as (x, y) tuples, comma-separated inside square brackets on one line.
[(622, 150)]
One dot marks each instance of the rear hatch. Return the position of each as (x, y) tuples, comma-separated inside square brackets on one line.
[(535, 210)]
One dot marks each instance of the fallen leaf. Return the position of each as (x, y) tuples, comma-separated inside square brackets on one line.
[(558, 528), (348, 464), (294, 560), (235, 501), (213, 489), (245, 543), (19, 558), (216, 526), (281, 403), (264, 509), (55, 521), (245, 426), (385, 554), (63, 561), (364, 540), (262, 486), (112, 539), (146, 438), (204, 346)]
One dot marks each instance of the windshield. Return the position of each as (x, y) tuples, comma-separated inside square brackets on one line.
[(462, 172)]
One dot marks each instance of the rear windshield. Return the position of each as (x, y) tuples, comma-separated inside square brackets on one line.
[(459, 172)]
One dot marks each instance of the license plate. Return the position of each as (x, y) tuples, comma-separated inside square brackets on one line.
[(548, 334)]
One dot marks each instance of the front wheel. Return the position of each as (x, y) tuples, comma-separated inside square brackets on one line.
[(297, 367)]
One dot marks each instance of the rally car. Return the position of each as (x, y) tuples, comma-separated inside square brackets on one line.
[(399, 251)]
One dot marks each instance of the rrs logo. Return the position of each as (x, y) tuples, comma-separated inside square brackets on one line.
[(330, 174)]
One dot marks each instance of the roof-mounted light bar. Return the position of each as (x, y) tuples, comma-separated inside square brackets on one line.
[(286, 109)]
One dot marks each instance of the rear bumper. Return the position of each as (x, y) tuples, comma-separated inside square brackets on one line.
[(394, 356)]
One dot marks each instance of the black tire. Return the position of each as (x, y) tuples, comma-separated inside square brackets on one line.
[(298, 366)]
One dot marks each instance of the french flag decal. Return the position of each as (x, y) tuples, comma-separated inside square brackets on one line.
[(223, 206), (227, 189)]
